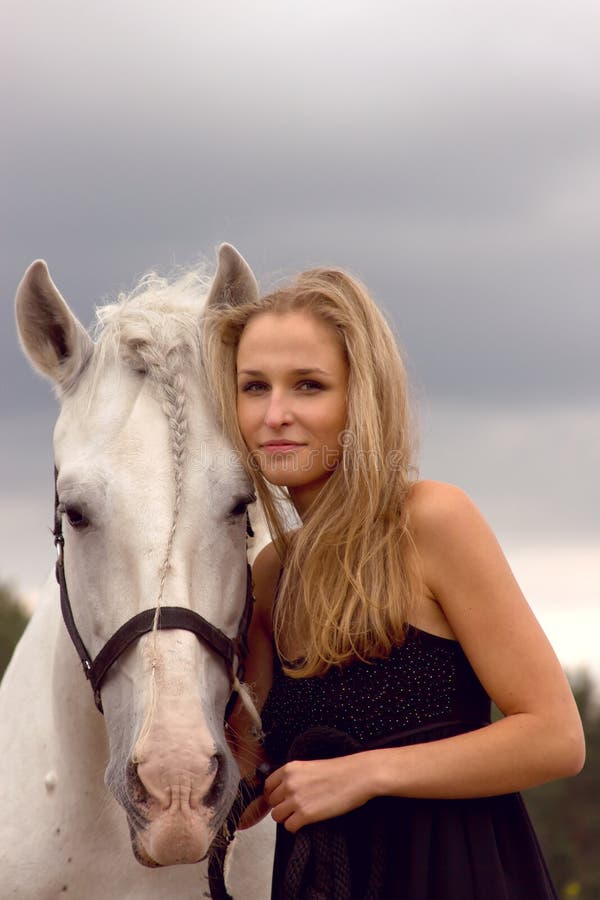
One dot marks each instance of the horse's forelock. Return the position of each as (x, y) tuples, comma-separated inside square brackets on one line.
[(158, 319)]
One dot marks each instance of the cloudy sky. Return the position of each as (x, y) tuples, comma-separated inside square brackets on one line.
[(446, 152)]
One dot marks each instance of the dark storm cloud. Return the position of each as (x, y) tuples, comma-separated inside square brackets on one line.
[(455, 175)]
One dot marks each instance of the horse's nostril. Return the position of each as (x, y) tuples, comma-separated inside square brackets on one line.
[(137, 789), (134, 797), (216, 768), (215, 763)]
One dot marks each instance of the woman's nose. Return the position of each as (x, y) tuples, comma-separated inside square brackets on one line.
[(278, 412)]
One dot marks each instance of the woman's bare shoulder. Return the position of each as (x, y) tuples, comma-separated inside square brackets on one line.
[(436, 505)]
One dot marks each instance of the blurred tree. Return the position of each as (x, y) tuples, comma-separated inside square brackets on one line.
[(13, 620), (566, 814)]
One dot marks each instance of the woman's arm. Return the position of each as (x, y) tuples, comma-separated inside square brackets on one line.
[(539, 739)]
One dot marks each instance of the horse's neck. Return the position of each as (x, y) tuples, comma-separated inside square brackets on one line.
[(45, 684)]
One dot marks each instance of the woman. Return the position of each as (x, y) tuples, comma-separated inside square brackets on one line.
[(383, 624)]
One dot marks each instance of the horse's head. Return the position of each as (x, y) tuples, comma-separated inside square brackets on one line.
[(153, 503)]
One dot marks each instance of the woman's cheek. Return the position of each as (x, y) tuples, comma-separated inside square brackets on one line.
[(244, 421)]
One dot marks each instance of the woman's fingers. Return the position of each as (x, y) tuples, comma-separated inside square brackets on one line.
[(275, 796), (283, 811), (274, 780), (253, 813)]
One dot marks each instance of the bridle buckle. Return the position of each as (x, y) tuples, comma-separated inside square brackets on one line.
[(59, 543)]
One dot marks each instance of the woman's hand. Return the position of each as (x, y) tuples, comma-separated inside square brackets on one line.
[(306, 791)]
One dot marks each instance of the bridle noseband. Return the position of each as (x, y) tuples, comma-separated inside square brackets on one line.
[(233, 651)]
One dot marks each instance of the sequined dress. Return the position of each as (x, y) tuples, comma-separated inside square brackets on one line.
[(398, 848)]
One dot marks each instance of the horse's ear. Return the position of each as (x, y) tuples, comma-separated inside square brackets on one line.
[(52, 337), (234, 282)]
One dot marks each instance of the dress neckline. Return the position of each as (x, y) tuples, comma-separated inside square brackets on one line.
[(429, 635)]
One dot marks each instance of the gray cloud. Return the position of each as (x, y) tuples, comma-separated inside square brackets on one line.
[(447, 152)]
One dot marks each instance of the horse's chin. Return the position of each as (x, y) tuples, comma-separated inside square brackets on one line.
[(168, 843)]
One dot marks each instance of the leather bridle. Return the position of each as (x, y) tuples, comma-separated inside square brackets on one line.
[(233, 651)]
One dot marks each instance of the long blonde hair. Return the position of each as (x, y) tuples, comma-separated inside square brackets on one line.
[(350, 572)]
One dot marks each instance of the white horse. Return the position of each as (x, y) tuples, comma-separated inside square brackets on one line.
[(152, 501)]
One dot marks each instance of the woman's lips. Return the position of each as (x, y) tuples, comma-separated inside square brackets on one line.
[(279, 446)]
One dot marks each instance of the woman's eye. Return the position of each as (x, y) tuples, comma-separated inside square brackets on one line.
[(310, 386), (75, 517), (254, 387)]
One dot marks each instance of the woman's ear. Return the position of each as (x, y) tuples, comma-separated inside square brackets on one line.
[(234, 282), (53, 339)]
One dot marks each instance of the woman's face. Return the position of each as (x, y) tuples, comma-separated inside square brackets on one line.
[(292, 379)]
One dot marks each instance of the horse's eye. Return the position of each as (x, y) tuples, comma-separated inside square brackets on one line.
[(241, 506), (76, 517)]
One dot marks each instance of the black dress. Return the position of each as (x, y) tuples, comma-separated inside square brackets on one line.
[(393, 848)]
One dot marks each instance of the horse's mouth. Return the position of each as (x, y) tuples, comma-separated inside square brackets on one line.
[(139, 850)]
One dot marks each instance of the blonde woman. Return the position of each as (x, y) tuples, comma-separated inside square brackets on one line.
[(384, 623)]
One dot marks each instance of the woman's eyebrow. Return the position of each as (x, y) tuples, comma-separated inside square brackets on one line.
[(309, 371)]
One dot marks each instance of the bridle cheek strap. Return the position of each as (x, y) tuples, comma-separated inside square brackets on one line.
[(233, 651)]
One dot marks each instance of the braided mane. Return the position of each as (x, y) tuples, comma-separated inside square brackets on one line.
[(156, 330)]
